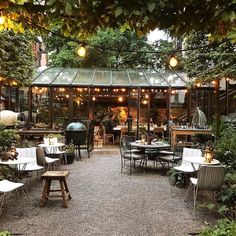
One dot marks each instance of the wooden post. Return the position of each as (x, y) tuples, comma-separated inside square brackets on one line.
[(50, 106), (227, 97), (30, 104), (189, 105), (149, 110), (217, 107), (71, 107), (138, 113)]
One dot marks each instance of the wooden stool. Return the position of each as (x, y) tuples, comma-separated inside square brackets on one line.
[(55, 175)]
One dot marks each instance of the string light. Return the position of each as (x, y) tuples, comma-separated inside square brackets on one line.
[(173, 61), (120, 99), (81, 50)]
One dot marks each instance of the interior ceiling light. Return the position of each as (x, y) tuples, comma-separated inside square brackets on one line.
[(120, 99)]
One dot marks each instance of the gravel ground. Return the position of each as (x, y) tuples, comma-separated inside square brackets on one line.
[(106, 202)]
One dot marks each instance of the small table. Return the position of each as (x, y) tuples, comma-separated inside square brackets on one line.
[(61, 177), (20, 162), (201, 161), (52, 148)]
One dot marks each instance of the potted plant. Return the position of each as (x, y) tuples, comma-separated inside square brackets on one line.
[(70, 153), (8, 139)]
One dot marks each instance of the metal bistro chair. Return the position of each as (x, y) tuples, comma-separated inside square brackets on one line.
[(130, 155), (169, 157), (208, 178), (42, 160)]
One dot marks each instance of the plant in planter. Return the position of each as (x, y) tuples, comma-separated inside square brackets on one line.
[(8, 139), (70, 152)]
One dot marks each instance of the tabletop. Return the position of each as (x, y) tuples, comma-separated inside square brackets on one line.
[(45, 145), (19, 161), (156, 145), (201, 161)]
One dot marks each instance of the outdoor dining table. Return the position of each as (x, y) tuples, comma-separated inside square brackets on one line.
[(154, 145), (19, 163), (201, 161), (51, 148)]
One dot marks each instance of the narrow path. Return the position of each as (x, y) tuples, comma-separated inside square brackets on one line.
[(106, 202)]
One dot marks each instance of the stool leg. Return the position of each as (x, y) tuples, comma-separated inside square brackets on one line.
[(44, 194), (66, 188), (63, 194)]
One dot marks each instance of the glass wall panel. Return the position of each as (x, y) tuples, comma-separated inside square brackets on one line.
[(66, 77), (138, 78), (156, 79), (84, 77), (102, 78), (40, 105), (80, 103), (60, 103), (178, 100), (47, 76), (173, 79), (120, 78)]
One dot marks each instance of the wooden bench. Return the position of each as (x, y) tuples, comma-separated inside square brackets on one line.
[(61, 177)]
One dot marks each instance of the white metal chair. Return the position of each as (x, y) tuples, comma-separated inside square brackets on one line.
[(29, 153), (186, 166), (208, 178), (7, 186)]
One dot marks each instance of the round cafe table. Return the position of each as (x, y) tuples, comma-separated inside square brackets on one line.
[(201, 161), (155, 145)]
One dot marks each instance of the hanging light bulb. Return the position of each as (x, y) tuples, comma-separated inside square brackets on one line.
[(82, 50), (173, 61)]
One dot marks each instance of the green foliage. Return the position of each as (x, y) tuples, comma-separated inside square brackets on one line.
[(222, 228), (83, 18), (177, 178), (208, 63), (108, 48), (7, 137), (5, 233), (16, 59), (70, 148)]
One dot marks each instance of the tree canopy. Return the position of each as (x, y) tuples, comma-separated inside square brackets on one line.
[(208, 63), (80, 18), (111, 49), (16, 58)]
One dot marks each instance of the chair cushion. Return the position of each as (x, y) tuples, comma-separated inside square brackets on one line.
[(8, 186)]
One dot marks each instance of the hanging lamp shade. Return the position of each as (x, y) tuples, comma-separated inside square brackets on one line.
[(199, 119)]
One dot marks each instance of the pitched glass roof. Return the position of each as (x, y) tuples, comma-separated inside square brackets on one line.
[(56, 76)]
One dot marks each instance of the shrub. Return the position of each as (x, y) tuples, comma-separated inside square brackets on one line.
[(222, 228)]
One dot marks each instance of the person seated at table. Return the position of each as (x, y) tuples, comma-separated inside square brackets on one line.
[(109, 124)]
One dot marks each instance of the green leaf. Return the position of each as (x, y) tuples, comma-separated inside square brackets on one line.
[(68, 8), (51, 2), (151, 6), (118, 11)]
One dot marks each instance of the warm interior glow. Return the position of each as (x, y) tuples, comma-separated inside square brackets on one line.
[(81, 51), (145, 102), (120, 99), (213, 82), (93, 98), (146, 96), (2, 20), (173, 61), (198, 84)]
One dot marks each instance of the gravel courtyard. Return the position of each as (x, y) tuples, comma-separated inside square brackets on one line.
[(106, 202)]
